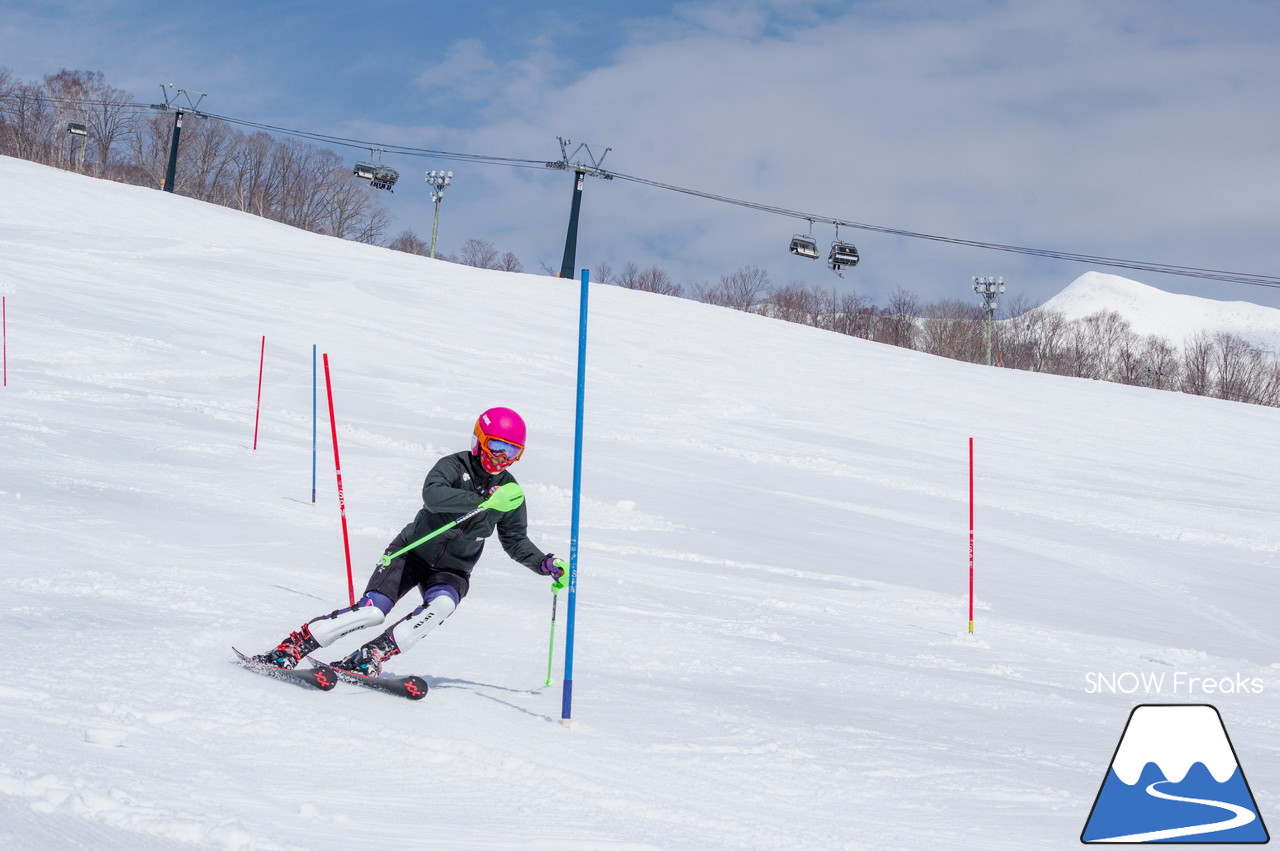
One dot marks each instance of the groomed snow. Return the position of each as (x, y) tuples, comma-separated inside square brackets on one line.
[(772, 634)]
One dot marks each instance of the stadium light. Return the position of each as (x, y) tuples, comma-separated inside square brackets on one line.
[(990, 289), (438, 180)]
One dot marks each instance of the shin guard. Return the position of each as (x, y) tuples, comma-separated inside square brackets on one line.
[(411, 629), (329, 628)]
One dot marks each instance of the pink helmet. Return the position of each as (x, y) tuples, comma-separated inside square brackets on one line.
[(498, 439)]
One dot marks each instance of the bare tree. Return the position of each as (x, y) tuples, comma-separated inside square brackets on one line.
[(897, 325), (410, 243), (66, 92), (848, 313), (248, 186), (371, 228), (27, 124), (744, 289), (207, 153), (347, 208), (1034, 340), (108, 121), (954, 329), (510, 263), (308, 178), (1227, 366), (479, 253), (1110, 341), (148, 146), (652, 280), (1197, 365), (1155, 364), (795, 302), (601, 273), (1237, 368), (7, 85), (1269, 384)]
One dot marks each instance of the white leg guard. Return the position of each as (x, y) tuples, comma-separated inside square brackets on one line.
[(331, 627), (420, 621)]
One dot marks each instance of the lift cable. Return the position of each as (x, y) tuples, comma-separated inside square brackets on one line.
[(402, 150), (1097, 260), (1251, 279)]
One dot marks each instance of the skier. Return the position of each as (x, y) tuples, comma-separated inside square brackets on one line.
[(441, 568)]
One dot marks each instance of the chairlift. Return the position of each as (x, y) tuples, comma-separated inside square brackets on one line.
[(803, 245), (842, 256), (384, 177), (75, 128), (380, 176)]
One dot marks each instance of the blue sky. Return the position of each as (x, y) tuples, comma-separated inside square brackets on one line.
[(1139, 129)]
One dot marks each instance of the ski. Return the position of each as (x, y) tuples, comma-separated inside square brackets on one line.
[(410, 686), (319, 676)]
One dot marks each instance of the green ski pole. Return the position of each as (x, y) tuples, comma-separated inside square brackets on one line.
[(506, 498), (551, 645)]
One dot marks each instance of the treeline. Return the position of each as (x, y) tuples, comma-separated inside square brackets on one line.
[(1102, 346), (287, 181)]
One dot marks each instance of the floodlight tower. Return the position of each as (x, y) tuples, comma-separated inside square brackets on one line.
[(438, 180), (570, 161), (172, 104), (990, 289)]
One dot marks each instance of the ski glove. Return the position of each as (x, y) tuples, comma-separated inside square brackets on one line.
[(556, 568), (505, 498)]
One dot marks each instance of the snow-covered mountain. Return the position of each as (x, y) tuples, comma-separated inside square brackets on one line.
[(772, 645), (1169, 315)]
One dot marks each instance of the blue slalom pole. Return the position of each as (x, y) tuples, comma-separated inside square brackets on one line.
[(567, 703), (313, 423)]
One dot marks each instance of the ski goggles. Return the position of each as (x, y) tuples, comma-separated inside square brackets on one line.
[(495, 447)]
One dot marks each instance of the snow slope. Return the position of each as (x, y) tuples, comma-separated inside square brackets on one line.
[(1174, 317), (771, 648)]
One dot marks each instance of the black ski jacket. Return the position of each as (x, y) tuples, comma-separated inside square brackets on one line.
[(457, 484)]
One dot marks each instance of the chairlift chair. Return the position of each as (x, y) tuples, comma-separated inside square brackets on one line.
[(75, 128), (380, 176), (803, 245), (842, 256), (384, 177)]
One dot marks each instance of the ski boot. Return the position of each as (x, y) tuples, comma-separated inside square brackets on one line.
[(367, 661), (289, 652)]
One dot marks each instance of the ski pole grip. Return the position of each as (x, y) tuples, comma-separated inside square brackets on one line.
[(506, 498)]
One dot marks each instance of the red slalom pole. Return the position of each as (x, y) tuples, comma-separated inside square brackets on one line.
[(971, 536), (262, 359), (337, 468)]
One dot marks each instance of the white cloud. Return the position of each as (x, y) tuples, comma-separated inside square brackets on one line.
[(1119, 128), (465, 71)]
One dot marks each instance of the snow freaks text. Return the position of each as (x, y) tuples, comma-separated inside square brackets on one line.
[(1170, 682)]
